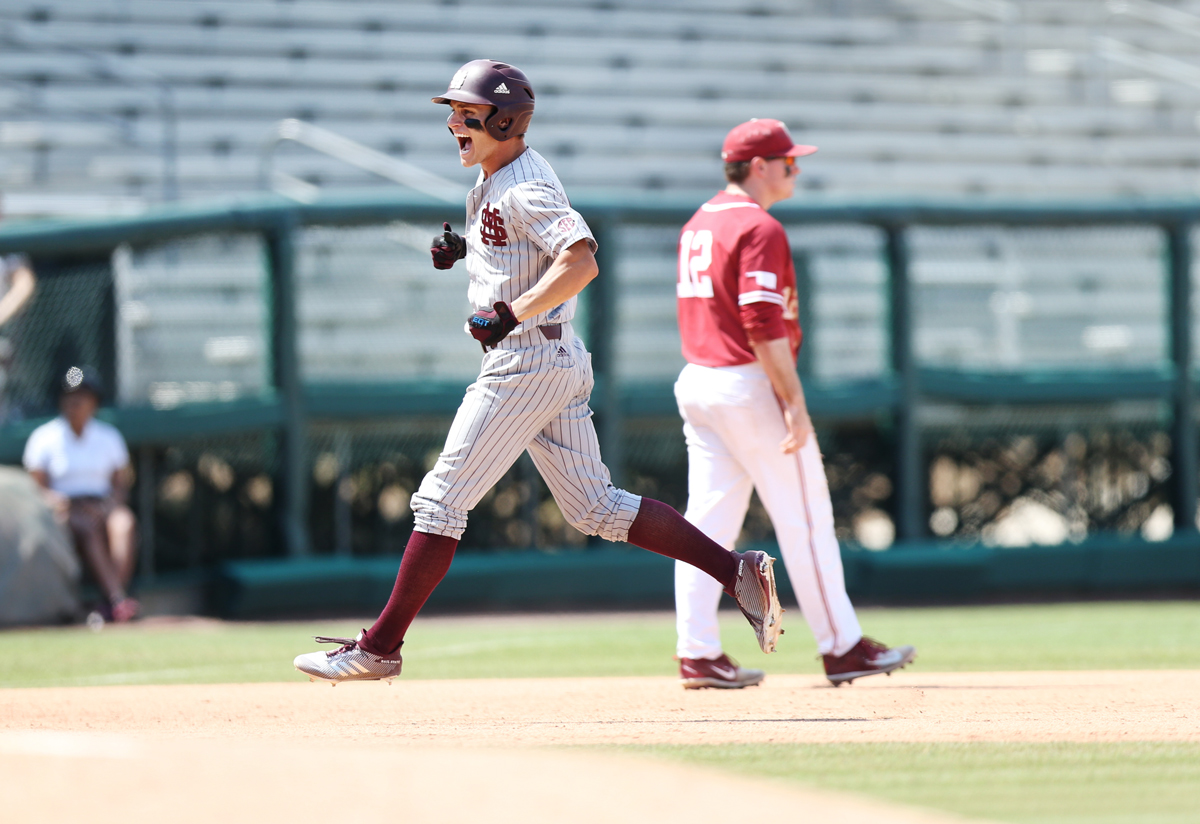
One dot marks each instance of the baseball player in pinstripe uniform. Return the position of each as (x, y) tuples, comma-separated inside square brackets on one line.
[(528, 255), (745, 420)]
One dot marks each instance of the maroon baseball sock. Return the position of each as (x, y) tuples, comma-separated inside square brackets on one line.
[(661, 529), (424, 565)]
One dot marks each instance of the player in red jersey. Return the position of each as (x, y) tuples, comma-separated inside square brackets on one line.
[(745, 418)]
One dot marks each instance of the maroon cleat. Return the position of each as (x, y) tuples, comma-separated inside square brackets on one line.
[(125, 610), (722, 673), (757, 597), (867, 657)]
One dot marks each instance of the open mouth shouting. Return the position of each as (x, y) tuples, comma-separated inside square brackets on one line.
[(466, 145), (465, 124)]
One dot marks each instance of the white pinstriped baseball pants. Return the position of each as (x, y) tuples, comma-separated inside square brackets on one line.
[(531, 394), (733, 425)]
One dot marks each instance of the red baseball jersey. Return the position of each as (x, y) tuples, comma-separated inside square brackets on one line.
[(736, 282)]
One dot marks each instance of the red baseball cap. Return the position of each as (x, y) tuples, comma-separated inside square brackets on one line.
[(761, 138)]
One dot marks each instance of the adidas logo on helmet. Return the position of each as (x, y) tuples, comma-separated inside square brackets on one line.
[(501, 89)]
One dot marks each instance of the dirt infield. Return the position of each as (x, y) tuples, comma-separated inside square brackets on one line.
[(1007, 706), (467, 750), (125, 780)]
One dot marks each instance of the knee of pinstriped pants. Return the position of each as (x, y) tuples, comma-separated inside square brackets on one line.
[(436, 518), (609, 517)]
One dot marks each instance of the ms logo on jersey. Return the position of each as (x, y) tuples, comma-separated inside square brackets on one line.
[(492, 231)]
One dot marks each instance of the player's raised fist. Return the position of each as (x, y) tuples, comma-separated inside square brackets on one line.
[(490, 326), (447, 248)]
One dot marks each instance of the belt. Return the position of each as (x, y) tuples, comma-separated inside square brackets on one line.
[(551, 331)]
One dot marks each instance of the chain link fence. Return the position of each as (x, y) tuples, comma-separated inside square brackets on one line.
[(187, 325), (192, 320), (1019, 298), (1048, 474), (68, 321)]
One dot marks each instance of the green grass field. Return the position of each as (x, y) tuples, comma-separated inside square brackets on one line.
[(1107, 783), (1152, 635), (1155, 783)]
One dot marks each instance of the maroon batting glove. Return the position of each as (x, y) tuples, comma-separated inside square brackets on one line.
[(490, 326), (447, 248)]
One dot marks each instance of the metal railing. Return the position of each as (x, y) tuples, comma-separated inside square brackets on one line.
[(348, 151), (897, 394), (1161, 66)]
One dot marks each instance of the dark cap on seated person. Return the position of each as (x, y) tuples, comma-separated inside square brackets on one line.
[(79, 379)]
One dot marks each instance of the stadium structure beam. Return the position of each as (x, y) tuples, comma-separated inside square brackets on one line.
[(1183, 440), (291, 479), (909, 482)]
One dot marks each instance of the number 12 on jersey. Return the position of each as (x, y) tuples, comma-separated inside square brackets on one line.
[(692, 283)]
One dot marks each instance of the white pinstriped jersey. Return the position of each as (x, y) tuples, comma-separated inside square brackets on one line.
[(518, 221), (532, 391)]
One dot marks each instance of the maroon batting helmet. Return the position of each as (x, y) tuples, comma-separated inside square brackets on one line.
[(490, 83)]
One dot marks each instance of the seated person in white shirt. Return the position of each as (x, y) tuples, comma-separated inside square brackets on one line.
[(83, 465)]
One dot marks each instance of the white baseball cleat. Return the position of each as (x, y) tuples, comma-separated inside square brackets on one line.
[(349, 662), (757, 597)]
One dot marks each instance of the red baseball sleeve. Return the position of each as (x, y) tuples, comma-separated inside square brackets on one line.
[(763, 261)]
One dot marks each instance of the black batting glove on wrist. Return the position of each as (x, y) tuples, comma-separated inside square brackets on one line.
[(490, 326), (447, 248)]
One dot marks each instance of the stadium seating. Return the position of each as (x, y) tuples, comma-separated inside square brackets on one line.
[(905, 97), (632, 94)]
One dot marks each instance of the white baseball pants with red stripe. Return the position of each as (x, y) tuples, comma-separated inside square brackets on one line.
[(734, 425)]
